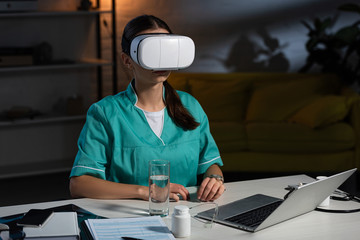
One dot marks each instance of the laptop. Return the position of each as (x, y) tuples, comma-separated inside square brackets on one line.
[(261, 211)]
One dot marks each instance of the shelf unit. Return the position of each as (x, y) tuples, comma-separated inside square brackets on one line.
[(31, 169), (85, 63), (53, 13), (48, 123), (41, 120)]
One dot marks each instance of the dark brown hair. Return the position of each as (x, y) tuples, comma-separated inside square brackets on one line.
[(177, 112)]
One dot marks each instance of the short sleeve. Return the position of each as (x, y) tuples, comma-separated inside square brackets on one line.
[(93, 145), (209, 152)]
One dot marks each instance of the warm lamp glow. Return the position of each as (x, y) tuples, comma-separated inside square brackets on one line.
[(106, 4)]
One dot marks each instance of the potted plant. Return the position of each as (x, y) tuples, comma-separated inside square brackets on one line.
[(335, 51)]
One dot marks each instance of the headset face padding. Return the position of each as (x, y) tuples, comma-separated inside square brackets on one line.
[(162, 51)]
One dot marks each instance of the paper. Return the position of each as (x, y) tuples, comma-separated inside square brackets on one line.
[(61, 224), (140, 227)]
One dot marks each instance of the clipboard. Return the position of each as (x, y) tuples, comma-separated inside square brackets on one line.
[(82, 214)]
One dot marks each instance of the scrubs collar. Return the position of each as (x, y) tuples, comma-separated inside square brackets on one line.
[(132, 94)]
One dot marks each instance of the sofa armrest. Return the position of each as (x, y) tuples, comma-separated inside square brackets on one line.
[(354, 118)]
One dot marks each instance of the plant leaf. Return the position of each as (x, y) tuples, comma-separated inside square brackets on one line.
[(307, 25), (322, 25), (326, 23), (317, 23), (311, 44), (357, 44), (350, 7), (347, 34)]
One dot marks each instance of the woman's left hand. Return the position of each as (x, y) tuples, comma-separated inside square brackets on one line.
[(210, 189)]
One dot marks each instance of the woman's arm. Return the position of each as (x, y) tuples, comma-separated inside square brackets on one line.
[(92, 187), (211, 188)]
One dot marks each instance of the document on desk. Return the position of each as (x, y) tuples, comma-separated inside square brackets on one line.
[(61, 225), (138, 228)]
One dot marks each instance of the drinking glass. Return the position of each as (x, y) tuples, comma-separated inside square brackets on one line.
[(159, 187)]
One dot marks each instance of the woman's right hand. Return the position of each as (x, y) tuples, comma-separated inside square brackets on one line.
[(176, 189)]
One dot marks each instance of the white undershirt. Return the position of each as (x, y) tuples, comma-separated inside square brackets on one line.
[(155, 120)]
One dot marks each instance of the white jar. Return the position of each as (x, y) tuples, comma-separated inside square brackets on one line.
[(181, 221)]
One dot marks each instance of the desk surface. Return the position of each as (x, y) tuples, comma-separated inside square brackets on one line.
[(312, 225)]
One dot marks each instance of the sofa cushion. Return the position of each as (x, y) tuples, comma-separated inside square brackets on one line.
[(229, 136), (322, 111), (277, 102), (247, 161), (222, 99), (179, 82), (296, 138)]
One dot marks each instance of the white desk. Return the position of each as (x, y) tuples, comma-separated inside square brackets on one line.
[(313, 225)]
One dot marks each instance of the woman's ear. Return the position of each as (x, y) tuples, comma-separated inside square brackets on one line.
[(126, 60)]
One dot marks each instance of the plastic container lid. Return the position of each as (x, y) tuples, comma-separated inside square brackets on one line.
[(181, 209)]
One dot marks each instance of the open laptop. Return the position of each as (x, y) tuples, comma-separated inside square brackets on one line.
[(244, 213)]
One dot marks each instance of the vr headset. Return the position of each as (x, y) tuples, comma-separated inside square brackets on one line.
[(162, 51)]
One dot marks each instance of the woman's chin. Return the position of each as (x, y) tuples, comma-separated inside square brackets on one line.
[(161, 75)]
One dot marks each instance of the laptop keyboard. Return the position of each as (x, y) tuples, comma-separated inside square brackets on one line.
[(254, 217)]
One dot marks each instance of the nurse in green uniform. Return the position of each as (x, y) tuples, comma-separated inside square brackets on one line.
[(149, 120)]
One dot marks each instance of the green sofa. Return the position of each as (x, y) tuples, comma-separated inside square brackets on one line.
[(278, 122)]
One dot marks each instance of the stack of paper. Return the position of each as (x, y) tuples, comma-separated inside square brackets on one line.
[(61, 225), (137, 228)]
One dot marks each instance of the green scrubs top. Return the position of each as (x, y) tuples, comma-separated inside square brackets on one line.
[(116, 143)]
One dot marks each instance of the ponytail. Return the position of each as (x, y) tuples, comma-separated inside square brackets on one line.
[(177, 112)]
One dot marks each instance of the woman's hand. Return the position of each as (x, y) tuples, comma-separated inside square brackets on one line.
[(176, 189), (210, 189)]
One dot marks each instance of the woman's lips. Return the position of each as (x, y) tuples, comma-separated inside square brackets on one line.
[(160, 72)]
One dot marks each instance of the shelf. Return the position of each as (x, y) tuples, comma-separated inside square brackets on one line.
[(86, 63), (41, 120), (46, 143), (52, 13), (36, 168)]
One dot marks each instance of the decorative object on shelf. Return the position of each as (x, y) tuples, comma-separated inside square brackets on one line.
[(16, 56), (43, 54), (18, 6), (74, 105), (85, 5), (40, 54), (17, 112), (336, 52)]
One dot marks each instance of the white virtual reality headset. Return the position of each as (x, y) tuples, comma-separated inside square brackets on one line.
[(162, 51)]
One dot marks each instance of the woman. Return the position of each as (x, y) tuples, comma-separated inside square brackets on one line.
[(149, 120)]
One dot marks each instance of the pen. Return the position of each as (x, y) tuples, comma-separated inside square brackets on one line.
[(130, 238)]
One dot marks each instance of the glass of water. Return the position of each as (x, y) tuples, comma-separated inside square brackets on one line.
[(159, 187)]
